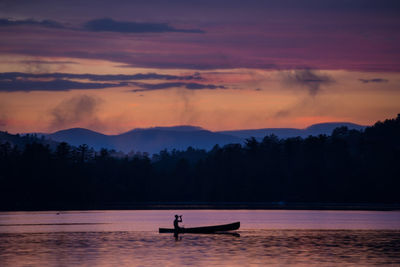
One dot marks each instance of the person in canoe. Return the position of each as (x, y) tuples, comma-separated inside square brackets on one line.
[(177, 220)]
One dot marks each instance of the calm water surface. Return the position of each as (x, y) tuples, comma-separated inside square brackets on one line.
[(266, 238)]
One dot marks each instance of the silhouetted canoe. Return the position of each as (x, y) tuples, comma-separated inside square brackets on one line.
[(204, 229)]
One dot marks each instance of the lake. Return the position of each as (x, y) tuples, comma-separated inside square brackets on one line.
[(266, 238)]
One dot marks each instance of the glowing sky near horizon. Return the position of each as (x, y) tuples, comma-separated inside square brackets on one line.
[(111, 66)]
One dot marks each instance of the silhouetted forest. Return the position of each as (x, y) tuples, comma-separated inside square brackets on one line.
[(349, 166)]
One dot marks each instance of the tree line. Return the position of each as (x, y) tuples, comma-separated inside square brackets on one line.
[(349, 166)]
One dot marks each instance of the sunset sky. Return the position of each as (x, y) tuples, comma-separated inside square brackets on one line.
[(112, 66)]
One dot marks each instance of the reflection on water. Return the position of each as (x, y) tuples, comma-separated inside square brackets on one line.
[(130, 238), (253, 247)]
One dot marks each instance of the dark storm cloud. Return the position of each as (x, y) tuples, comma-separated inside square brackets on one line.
[(307, 78), (96, 77), (375, 80), (75, 110), (163, 86), (110, 25), (31, 22)]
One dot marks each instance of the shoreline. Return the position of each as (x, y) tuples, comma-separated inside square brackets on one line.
[(207, 206)]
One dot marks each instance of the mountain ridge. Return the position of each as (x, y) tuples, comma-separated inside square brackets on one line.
[(198, 128), (314, 129), (155, 139)]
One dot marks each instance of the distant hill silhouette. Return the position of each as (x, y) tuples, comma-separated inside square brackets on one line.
[(153, 140), (315, 130), (79, 136)]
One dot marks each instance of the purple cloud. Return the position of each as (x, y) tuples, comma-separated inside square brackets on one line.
[(307, 78), (374, 80), (102, 25), (98, 77), (162, 86), (31, 22), (110, 25), (54, 85)]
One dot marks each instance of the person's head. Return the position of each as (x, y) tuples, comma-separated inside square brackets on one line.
[(176, 216)]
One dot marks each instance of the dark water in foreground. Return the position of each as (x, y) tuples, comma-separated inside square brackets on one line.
[(130, 238)]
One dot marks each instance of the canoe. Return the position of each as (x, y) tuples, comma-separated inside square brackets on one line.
[(204, 229)]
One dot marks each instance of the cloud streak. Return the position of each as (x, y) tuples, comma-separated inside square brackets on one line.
[(163, 86), (97, 77), (31, 22), (55, 85), (101, 25), (309, 79), (46, 62), (110, 25), (26, 82), (374, 80)]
